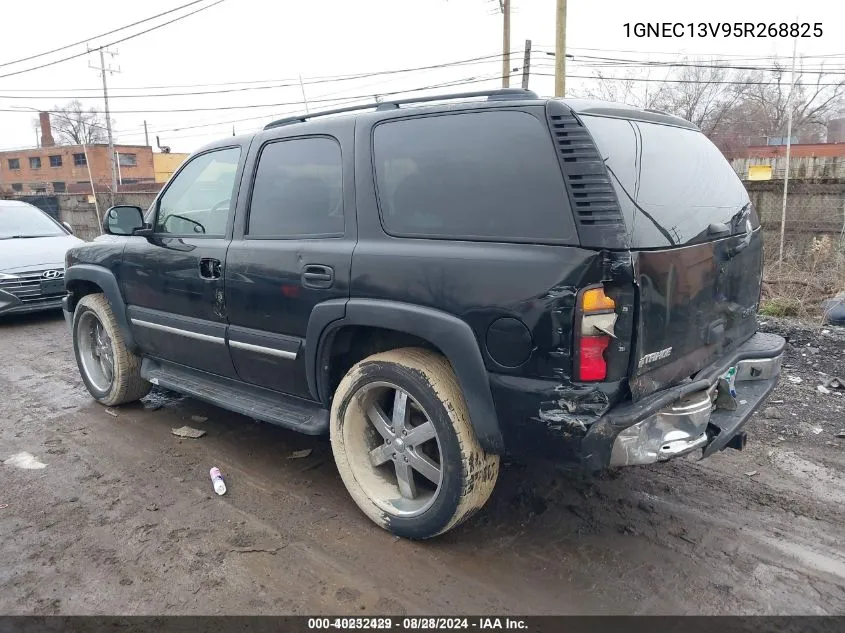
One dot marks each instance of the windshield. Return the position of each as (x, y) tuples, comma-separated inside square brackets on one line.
[(26, 221)]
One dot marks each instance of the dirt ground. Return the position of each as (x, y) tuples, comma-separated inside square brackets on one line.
[(123, 519)]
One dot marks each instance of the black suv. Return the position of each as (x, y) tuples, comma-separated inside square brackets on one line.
[(439, 282)]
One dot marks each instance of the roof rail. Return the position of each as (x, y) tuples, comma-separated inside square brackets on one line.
[(503, 94)]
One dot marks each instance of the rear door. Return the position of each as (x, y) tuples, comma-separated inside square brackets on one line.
[(292, 249), (696, 246)]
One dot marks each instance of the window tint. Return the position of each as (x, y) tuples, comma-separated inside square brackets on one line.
[(482, 175), (298, 190), (672, 182), (199, 198)]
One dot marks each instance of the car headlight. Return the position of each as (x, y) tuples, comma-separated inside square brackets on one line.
[(7, 276)]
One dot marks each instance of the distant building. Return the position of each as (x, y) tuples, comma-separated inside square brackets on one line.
[(165, 164), (806, 161), (55, 168)]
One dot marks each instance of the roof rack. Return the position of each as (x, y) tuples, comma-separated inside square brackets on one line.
[(503, 94)]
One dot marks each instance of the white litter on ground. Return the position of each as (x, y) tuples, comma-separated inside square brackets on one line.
[(187, 431), (24, 460)]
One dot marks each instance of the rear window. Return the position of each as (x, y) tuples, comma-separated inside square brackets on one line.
[(476, 176), (672, 183)]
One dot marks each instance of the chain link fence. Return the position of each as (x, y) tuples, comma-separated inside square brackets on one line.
[(813, 265)]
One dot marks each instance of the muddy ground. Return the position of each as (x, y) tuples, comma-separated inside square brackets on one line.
[(123, 520)]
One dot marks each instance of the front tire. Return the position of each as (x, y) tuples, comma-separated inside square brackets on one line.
[(109, 370), (404, 446)]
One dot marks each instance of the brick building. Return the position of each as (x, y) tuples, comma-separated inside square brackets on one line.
[(55, 168)]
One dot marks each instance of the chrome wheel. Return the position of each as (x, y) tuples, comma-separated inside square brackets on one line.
[(95, 351), (394, 450)]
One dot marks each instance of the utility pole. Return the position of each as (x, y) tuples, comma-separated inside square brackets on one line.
[(788, 148), (560, 49), (104, 70), (146, 135), (526, 65), (302, 87), (505, 6)]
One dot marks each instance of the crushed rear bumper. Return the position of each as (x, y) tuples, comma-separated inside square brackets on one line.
[(703, 414)]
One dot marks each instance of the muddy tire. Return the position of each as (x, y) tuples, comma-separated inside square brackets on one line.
[(109, 370), (404, 446)]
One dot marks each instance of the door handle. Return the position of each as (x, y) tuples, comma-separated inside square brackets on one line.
[(317, 276), (210, 268)]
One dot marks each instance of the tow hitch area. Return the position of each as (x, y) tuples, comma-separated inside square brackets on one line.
[(709, 419)]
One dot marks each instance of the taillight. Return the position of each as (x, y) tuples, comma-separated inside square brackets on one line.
[(597, 318)]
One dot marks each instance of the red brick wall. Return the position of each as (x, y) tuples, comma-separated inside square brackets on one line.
[(69, 173)]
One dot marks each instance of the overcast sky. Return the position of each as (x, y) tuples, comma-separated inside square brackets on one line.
[(275, 41)]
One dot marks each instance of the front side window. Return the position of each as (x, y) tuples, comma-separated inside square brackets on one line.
[(35, 162), (477, 175), (298, 190), (79, 160), (55, 161), (199, 199), (14, 163)]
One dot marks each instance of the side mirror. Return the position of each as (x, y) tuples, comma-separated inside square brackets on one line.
[(123, 220), (68, 227)]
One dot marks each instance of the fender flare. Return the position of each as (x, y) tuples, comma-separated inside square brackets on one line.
[(105, 279), (447, 332)]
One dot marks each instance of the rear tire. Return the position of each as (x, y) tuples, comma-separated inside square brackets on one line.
[(415, 468), (109, 370)]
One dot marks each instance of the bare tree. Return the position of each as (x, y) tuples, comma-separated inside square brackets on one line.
[(631, 90), (73, 125), (705, 95), (815, 99), (734, 107)]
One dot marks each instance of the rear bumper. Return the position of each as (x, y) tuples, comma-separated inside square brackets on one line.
[(704, 414), (580, 427)]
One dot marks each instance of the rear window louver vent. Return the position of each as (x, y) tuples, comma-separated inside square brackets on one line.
[(591, 194)]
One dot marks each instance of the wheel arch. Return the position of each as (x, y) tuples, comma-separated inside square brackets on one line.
[(85, 279), (441, 331)]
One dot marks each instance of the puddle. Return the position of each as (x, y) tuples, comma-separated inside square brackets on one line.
[(24, 460)]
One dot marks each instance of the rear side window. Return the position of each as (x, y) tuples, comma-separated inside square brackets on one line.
[(480, 175), (298, 190), (672, 183)]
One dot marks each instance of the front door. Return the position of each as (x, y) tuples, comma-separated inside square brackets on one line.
[(173, 281), (292, 249)]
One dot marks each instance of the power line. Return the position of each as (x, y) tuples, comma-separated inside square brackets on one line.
[(94, 37), (294, 82), (661, 64), (339, 100), (124, 39), (726, 55), (475, 61), (687, 81)]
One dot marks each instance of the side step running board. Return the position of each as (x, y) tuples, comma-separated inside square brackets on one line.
[(255, 402)]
